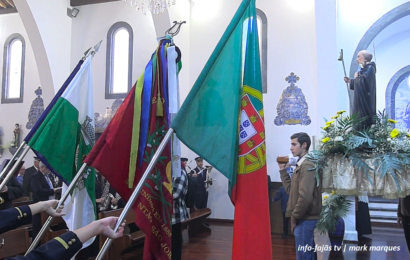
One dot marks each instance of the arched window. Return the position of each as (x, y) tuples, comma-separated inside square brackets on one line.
[(263, 47), (119, 61), (13, 69)]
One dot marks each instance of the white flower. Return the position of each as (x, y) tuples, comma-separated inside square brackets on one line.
[(388, 139), (338, 138)]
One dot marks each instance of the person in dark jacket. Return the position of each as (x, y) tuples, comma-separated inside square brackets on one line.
[(65, 246), (11, 191), (30, 171), (283, 196), (43, 190)]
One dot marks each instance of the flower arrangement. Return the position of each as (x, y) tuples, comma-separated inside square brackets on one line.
[(387, 145), (334, 207)]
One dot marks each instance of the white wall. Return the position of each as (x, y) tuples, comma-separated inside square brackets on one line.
[(353, 20), (49, 28), (92, 25), (13, 113)]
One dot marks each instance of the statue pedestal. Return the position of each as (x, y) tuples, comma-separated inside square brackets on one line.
[(350, 222)]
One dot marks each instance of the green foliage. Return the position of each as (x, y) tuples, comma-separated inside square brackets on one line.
[(334, 207), (389, 147)]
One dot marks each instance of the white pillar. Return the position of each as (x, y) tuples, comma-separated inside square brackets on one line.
[(350, 222)]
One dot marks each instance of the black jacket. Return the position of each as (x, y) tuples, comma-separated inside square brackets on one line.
[(61, 248), (14, 191), (40, 188), (364, 101), (27, 179)]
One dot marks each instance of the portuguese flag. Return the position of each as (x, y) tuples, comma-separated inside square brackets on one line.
[(222, 121)]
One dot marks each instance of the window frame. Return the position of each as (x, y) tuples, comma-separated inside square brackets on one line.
[(109, 59), (264, 52), (6, 68)]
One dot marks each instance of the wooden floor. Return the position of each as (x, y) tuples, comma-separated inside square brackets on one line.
[(218, 245)]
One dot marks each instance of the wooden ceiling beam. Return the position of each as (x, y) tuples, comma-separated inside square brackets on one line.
[(11, 3), (90, 2), (3, 4)]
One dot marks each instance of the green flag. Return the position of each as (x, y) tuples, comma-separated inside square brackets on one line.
[(222, 121), (208, 118)]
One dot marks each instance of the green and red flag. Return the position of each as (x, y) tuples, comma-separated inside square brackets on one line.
[(222, 121), (126, 147)]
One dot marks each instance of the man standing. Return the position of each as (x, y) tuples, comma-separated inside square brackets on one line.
[(283, 196), (43, 190), (180, 214), (364, 86), (200, 172), (27, 178), (305, 197)]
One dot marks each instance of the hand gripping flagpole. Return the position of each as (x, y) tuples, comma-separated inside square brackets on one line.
[(60, 202), (63, 198), (136, 191), (15, 165)]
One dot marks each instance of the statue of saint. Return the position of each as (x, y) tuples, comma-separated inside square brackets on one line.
[(364, 86), (16, 136)]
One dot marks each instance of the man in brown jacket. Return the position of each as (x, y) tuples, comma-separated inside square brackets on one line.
[(305, 197)]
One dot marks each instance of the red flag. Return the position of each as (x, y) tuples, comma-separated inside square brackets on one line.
[(111, 157)]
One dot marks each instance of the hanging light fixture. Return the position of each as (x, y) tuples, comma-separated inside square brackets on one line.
[(153, 6)]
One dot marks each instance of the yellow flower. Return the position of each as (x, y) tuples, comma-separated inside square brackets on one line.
[(334, 117), (408, 135), (341, 112), (324, 140), (325, 197), (333, 192), (330, 122), (394, 132), (392, 121), (326, 127)]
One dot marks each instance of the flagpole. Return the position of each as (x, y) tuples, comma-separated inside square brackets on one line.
[(136, 191), (12, 158), (62, 199), (10, 173), (60, 202)]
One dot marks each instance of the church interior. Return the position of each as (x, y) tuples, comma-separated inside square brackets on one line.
[(310, 45)]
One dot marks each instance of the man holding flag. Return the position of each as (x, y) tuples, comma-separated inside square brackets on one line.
[(222, 121)]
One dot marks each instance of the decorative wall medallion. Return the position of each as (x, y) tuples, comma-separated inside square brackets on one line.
[(36, 109), (292, 107)]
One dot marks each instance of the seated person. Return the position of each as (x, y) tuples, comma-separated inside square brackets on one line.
[(11, 191)]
